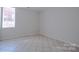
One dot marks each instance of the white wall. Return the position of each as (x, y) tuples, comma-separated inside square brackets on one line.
[(61, 24), (26, 24), (57, 23)]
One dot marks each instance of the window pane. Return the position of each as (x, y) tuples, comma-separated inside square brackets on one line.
[(0, 18), (8, 18)]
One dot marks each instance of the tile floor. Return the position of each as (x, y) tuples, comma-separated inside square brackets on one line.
[(35, 44)]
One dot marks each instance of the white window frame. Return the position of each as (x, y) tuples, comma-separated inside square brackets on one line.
[(2, 18)]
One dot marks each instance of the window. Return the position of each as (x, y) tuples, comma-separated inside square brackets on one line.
[(7, 17), (0, 18)]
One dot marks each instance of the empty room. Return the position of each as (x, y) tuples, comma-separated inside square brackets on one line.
[(39, 29)]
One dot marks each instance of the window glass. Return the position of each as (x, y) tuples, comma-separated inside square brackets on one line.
[(0, 18), (8, 20)]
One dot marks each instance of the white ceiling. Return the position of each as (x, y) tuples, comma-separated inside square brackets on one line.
[(38, 8)]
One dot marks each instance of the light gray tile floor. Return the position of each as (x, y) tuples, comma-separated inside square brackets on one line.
[(35, 44)]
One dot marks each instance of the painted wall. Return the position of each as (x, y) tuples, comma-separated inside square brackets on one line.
[(61, 24), (26, 24)]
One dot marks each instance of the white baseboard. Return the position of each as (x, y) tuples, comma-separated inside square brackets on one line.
[(36, 34), (71, 43), (18, 36)]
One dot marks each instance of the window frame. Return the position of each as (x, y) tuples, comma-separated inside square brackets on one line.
[(2, 19)]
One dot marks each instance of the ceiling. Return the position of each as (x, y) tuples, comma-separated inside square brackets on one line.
[(38, 8)]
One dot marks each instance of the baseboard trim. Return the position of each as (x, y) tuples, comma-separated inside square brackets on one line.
[(20, 36), (73, 44), (40, 34)]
